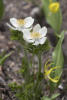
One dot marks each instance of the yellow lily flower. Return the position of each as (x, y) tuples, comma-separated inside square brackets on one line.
[(54, 7), (48, 70)]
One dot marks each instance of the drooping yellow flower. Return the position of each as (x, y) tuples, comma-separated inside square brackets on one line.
[(48, 69), (54, 7)]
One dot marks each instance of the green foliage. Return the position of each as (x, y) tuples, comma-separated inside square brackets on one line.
[(58, 60), (31, 88), (3, 57), (53, 97), (53, 19), (1, 8), (58, 54), (26, 91), (14, 86), (39, 49), (17, 35), (25, 70), (0, 99), (45, 98)]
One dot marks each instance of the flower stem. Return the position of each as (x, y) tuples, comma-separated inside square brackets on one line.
[(39, 57), (25, 53), (28, 71)]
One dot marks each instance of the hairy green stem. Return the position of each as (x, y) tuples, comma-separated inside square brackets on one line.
[(39, 57), (25, 53), (28, 73)]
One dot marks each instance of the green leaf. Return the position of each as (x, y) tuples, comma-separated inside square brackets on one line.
[(58, 54), (24, 67), (18, 36), (45, 98), (1, 8), (38, 49), (50, 98), (54, 96), (53, 19), (4, 57), (58, 61)]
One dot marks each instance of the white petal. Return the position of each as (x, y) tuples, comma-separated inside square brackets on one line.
[(29, 21), (28, 40), (26, 34), (13, 21), (36, 43), (11, 26), (22, 29), (36, 28), (42, 40), (43, 31), (60, 86)]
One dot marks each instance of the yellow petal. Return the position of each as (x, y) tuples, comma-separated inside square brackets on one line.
[(48, 70), (54, 7), (55, 80)]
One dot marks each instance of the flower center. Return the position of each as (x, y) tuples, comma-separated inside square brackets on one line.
[(20, 22), (35, 35)]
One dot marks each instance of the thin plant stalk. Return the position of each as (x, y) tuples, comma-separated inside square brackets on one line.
[(39, 58), (28, 71)]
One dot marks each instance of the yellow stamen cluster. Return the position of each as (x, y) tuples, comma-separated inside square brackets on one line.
[(48, 70), (54, 7), (20, 22), (35, 35)]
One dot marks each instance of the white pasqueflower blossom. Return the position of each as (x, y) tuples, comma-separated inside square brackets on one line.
[(20, 24), (37, 36)]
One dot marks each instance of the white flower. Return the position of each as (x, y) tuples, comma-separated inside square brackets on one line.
[(20, 24), (60, 86), (37, 36)]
